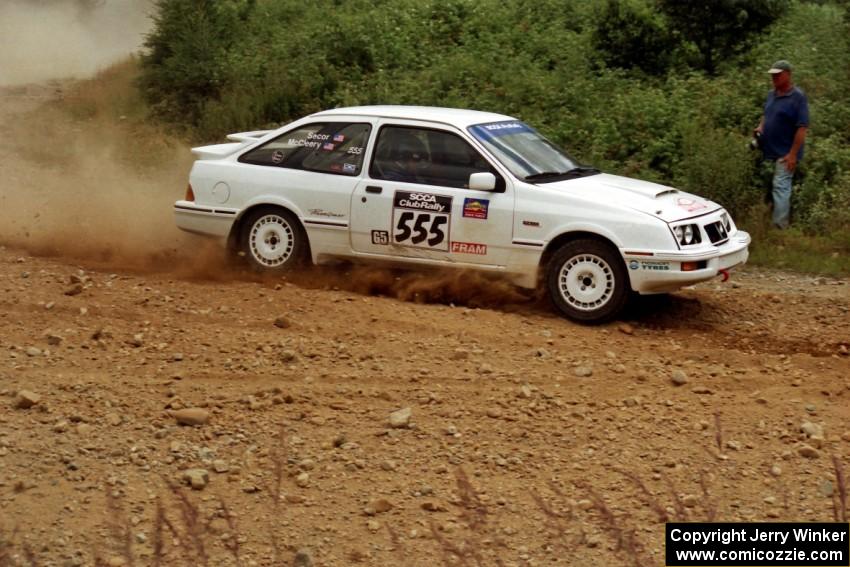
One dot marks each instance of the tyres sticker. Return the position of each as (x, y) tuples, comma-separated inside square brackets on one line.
[(421, 220), (645, 265), (469, 248), (475, 208)]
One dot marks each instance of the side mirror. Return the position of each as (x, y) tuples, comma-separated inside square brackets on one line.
[(482, 181)]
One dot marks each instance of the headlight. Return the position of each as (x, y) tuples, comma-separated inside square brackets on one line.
[(687, 234)]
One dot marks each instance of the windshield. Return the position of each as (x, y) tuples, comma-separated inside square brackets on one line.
[(527, 154)]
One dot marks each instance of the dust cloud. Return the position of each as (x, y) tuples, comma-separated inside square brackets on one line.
[(98, 190), (51, 39)]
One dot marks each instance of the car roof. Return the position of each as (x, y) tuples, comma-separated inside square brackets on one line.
[(458, 117)]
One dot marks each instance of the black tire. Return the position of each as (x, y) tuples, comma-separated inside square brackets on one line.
[(587, 281), (273, 240)]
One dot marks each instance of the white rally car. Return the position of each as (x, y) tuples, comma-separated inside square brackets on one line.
[(461, 188)]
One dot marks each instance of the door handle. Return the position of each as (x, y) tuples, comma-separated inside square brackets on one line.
[(373, 189)]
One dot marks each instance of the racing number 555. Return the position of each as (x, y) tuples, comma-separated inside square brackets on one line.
[(419, 232)]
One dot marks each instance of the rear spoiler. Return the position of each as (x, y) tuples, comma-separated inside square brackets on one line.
[(248, 136), (239, 140)]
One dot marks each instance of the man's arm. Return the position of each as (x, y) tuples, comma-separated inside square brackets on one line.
[(791, 159)]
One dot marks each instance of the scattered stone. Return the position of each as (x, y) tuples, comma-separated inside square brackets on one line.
[(495, 413), (282, 323), (485, 369), (26, 399), (826, 489), (302, 480), (626, 329), (776, 470), (196, 478), (460, 354), (583, 371), (54, 340), (400, 418), (678, 377), (114, 419), (75, 290), (433, 506), (32, 351), (733, 445), (373, 526), (302, 559), (690, 500), (178, 356), (378, 506), (808, 451), (191, 416), (220, 466)]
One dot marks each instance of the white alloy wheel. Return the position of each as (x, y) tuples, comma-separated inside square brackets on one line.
[(271, 240), (586, 282)]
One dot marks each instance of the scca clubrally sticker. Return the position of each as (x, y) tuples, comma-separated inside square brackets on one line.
[(421, 220)]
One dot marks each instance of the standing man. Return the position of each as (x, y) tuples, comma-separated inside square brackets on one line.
[(783, 134)]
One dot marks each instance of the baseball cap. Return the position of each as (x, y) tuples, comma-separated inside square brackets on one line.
[(779, 66)]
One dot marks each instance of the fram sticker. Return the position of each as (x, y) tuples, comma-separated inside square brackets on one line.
[(469, 248), (349, 167), (690, 205), (277, 157), (475, 208)]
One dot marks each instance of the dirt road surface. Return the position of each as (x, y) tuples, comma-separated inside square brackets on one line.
[(359, 417)]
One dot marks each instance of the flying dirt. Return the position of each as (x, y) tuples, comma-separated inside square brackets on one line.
[(160, 407)]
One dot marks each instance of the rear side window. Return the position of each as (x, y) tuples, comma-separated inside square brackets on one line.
[(326, 147)]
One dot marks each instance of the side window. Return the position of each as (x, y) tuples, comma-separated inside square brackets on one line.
[(328, 147), (431, 157)]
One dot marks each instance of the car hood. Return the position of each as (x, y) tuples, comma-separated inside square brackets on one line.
[(661, 201)]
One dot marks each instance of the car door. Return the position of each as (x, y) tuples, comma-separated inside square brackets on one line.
[(416, 202)]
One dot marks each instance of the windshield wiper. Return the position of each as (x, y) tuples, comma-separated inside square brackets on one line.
[(581, 171), (545, 174)]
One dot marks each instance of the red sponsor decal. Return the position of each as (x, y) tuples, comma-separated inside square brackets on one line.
[(469, 248), (690, 205)]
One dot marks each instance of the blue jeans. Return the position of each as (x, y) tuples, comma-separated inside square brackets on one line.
[(782, 179)]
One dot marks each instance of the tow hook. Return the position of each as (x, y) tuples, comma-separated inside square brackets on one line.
[(725, 274)]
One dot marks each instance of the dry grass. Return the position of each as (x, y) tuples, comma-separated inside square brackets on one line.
[(839, 496), (468, 550)]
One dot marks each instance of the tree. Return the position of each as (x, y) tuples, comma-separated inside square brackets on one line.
[(720, 28), (631, 34)]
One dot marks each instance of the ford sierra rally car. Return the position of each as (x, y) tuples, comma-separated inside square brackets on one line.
[(460, 188)]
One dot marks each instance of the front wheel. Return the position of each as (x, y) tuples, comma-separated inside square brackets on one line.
[(273, 240), (587, 280)]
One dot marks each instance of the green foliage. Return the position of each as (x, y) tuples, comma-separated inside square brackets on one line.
[(613, 84), (631, 34), (720, 28)]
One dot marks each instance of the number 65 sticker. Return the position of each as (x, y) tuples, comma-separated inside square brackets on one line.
[(421, 220)]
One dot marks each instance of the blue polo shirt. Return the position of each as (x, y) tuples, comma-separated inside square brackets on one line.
[(783, 114)]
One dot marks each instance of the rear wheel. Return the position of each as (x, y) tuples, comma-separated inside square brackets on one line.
[(273, 240), (587, 280)]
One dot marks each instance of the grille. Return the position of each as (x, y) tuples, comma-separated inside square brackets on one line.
[(716, 232)]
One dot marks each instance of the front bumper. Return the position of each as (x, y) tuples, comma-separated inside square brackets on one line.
[(210, 221), (661, 272)]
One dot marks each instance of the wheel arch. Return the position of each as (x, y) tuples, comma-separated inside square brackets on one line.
[(556, 243)]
